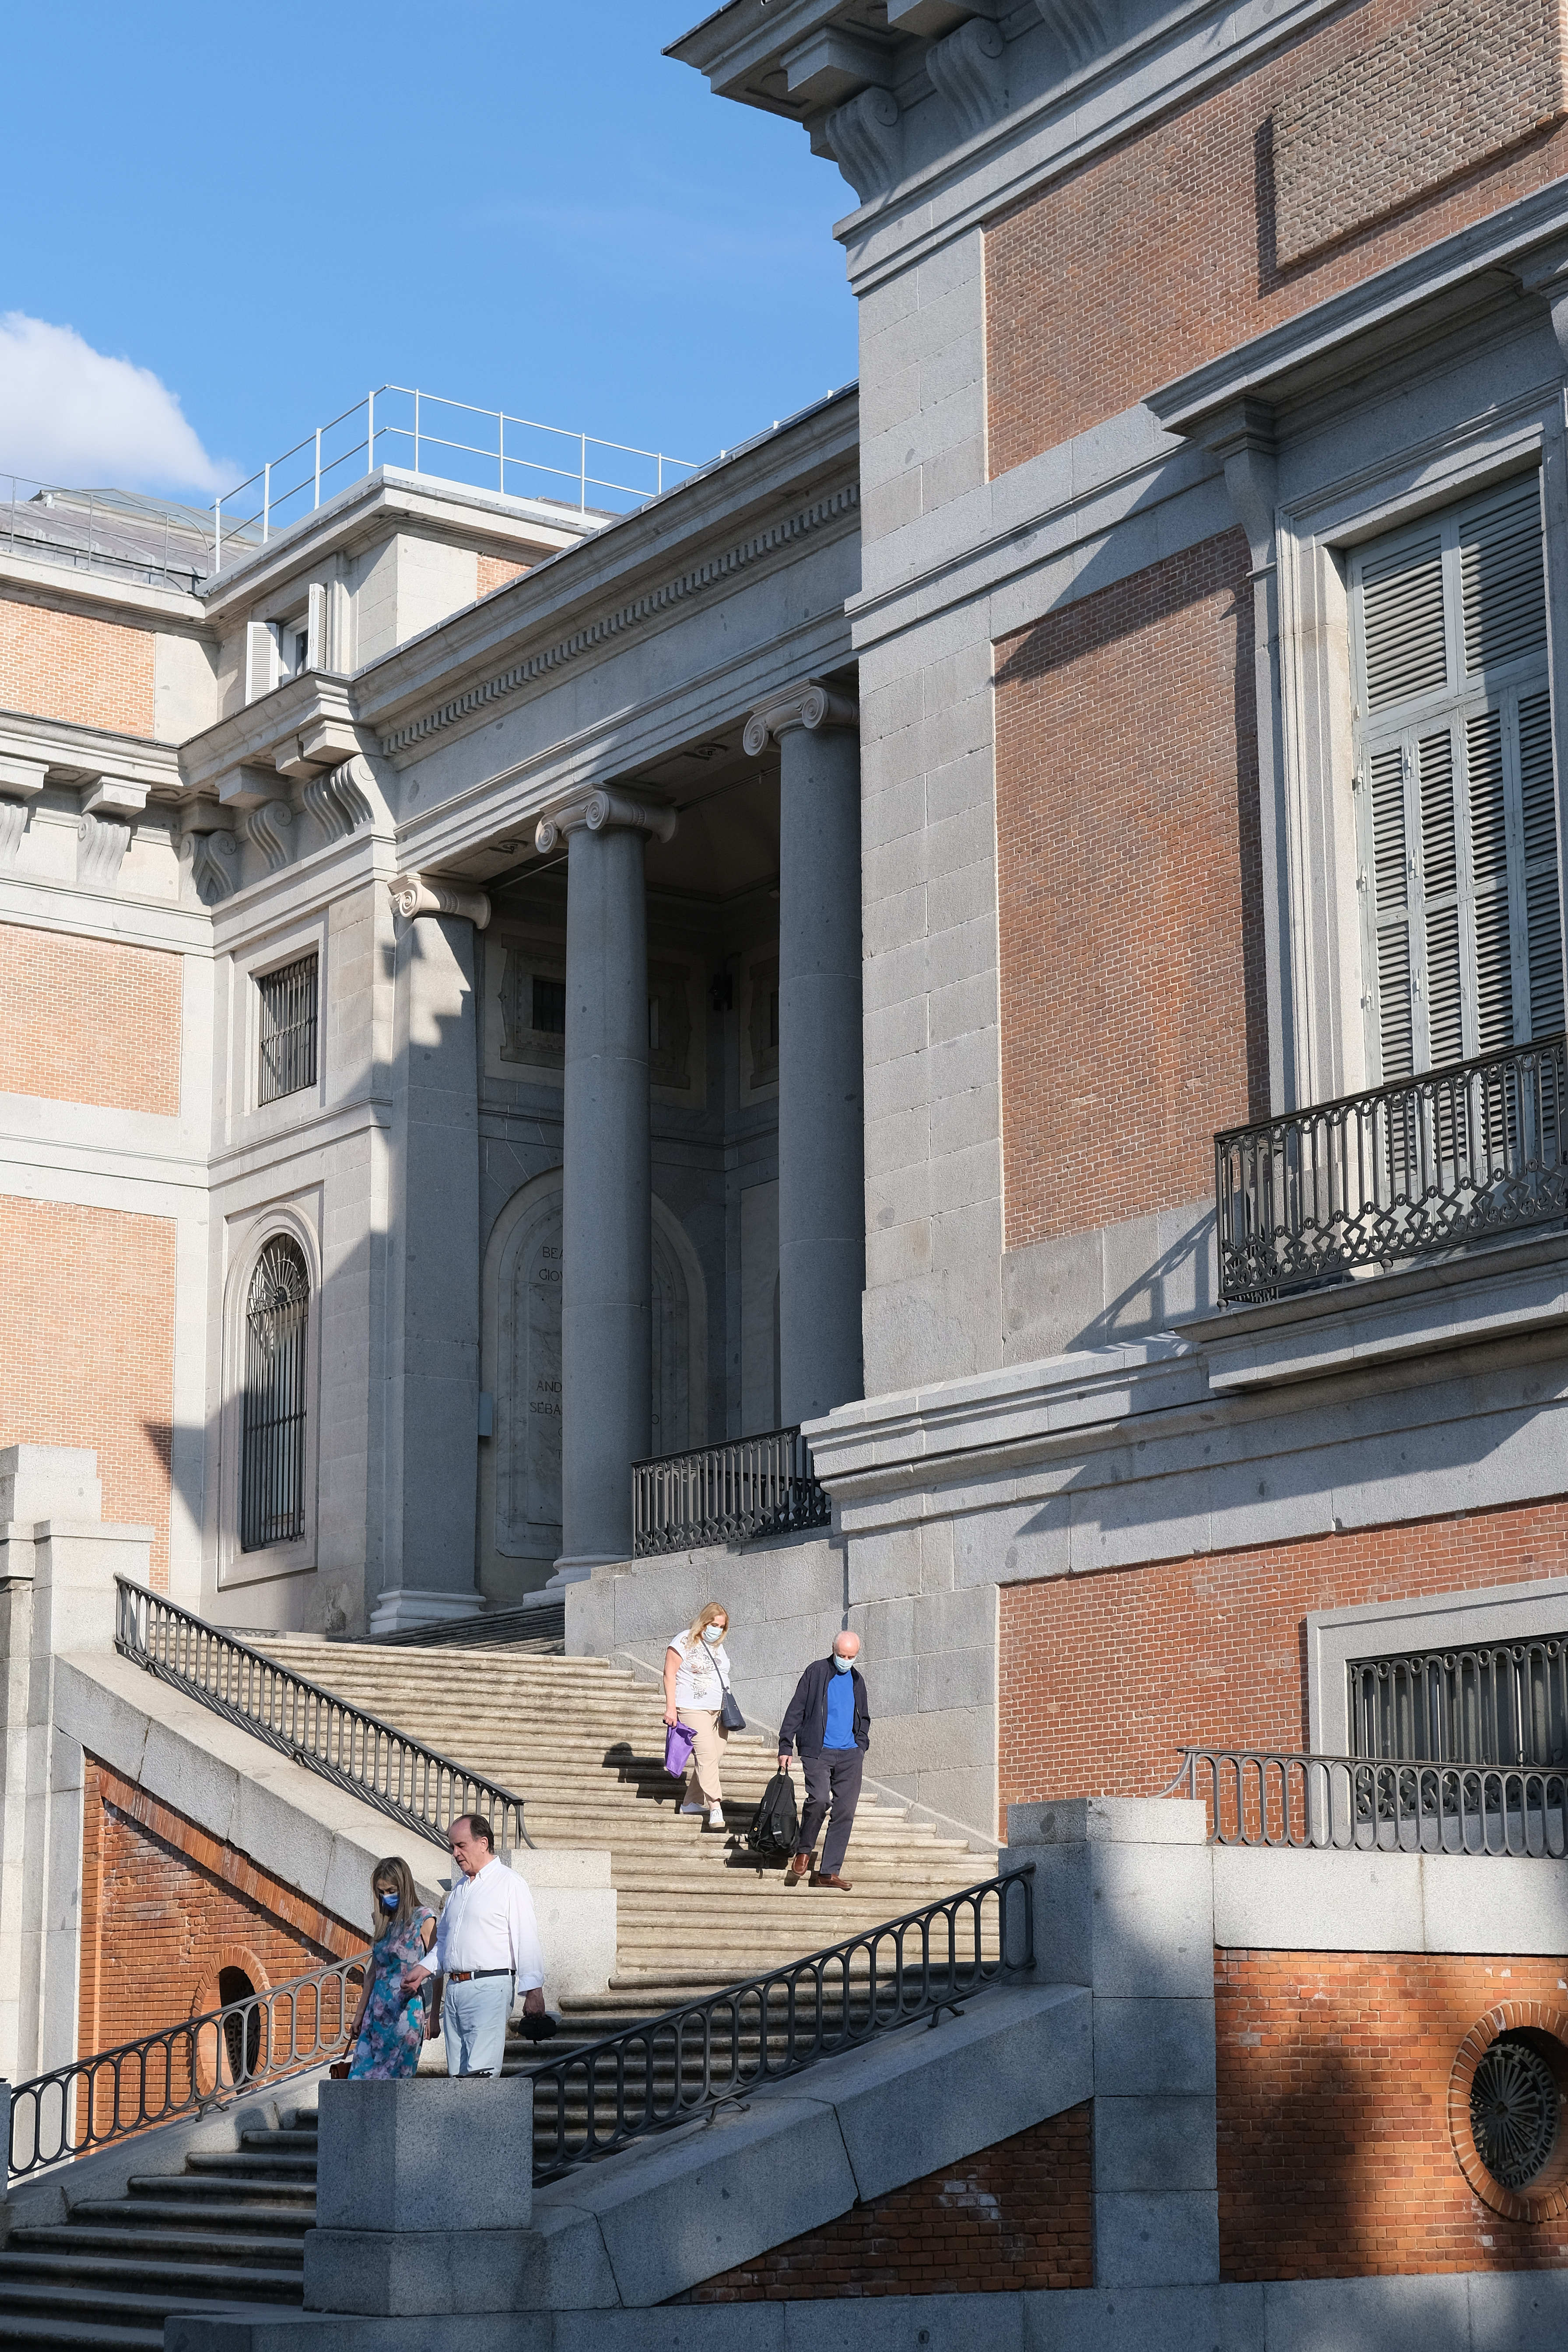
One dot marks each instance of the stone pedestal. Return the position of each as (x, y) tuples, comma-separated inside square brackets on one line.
[(606, 1278), (1124, 1903), (433, 1261), (822, 1186)]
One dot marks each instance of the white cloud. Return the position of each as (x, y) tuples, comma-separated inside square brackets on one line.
[(73, 415)]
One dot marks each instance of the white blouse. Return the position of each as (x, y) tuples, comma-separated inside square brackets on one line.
[(697, 1677)]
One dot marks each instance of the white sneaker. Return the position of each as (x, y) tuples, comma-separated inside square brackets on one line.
[(716, 1817), (694, 1809)]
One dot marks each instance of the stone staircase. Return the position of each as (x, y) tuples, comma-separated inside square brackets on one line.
[(582, 1740), (228, 2231)]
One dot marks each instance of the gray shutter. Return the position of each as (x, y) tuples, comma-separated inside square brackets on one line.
[(1391, 912), (1503, 579), (1404, 639), (1440, 962), (1538, 828)]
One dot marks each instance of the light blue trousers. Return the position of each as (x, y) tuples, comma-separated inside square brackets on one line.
[(473, 2025)]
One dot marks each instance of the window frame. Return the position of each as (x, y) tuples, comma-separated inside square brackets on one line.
[(1440, 1621), (297, 1221)]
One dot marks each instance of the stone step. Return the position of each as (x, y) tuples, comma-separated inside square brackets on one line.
[(258, 2188), (257, 2159), (172, 2285), (147, 2208), (136, 2239), (80, 2334)]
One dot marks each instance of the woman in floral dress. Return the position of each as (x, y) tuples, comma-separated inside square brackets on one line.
[(389, 2028)]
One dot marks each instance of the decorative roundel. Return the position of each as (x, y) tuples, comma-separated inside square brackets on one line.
[(1508, 2110)]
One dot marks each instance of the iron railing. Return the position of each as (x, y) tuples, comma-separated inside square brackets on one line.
[(1261, 1797), (150, 542), (1426, 1164), (200, 2062), (1505, 1702), (726, 1494), (401, 1778), (666, 2069), (398, 424)]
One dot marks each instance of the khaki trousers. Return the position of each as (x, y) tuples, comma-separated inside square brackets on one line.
[(711, 1735)]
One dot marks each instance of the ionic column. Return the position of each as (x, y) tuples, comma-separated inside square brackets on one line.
[(433, 1260), (606, 1269), (822, 1175)]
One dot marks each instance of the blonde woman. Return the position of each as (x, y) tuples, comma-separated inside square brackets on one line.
[(696, 1674), (389, 2026)]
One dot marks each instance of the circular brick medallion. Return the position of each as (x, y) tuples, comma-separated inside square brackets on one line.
[(1508, 2110)]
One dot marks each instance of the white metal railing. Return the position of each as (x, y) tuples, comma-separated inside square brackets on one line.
[(397, 425), (91, 530)]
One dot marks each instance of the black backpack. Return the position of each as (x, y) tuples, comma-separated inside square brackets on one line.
[(777, 1822)]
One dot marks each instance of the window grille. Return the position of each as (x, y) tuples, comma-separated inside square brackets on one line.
[(272, 1447), (1504, 1703), (288, 1029), (1455, 789), (549, 1005)]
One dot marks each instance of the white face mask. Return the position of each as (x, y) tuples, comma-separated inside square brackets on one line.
[(713, 1634)]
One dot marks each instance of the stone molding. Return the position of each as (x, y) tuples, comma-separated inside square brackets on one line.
[(811, 705), (117, 796), (653, 607), (20, 779), (207, 843), (267, 829), (1546, 274), (969, 70), (866, 140), (327, 741), (414, 895), (604, 812), (103, 842), (336, 800)]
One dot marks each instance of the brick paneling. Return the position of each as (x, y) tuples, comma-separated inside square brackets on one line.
[(1129, 894), (495, 570), (1102, 1678), (164, 1906), (89, 1021), (1335, 2158), (70, 666), (1016, 2215), (1162, 254), (87, 1348)]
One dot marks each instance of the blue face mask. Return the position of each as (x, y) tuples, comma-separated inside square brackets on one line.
[(841, 1666), (388, 1901), (713, 1634)]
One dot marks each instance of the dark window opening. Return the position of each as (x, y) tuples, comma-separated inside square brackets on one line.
[(241, 2034), (272, 1447), (288, 1029), (549, 1005)]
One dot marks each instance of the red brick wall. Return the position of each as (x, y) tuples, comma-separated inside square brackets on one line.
[(1217, 1643), (1335, 2158), (1162, 254), (165, 1905), (70, 666), (1013, 2215), (89, 1021), (1129, 894), (495, 570), (87, 1348)]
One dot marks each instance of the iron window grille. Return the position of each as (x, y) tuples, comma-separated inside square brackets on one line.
[(1505, 1702), (272, 1446), (549, 1005), (289, 999)]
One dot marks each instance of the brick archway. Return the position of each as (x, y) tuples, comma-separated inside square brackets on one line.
[(213, 2068), (1547, 2196)]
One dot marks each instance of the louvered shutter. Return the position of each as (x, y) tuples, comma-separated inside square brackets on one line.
[(1459, 803)]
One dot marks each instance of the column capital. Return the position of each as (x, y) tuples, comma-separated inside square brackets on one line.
[(809, 704), (414, 895), (604, 812)]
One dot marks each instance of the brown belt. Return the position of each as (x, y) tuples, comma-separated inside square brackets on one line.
[(467, 1976)]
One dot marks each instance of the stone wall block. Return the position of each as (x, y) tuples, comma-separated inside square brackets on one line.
[(1148, 2146), (1171, 2238), (1153, 2049), (433, 2152)]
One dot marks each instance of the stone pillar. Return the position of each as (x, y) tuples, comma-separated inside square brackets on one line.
[(433, 1261), (822, 1168), (607, 1268), (1123, 1903)]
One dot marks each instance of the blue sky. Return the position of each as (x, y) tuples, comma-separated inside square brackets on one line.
[(515, 202)]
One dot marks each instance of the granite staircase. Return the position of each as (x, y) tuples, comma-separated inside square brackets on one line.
[(228, 2231)]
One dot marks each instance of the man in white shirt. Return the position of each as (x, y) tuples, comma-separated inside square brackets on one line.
[(487, 1942)]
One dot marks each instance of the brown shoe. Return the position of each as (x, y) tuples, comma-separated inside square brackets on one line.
[(796, 1868), (830, 1878)]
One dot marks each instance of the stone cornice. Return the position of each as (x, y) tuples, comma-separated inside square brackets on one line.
[(604, 812), (304, 725), (414, 895), (811, 705), (73, 754), (638, 612)]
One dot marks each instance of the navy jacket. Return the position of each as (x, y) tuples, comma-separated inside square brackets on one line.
[(805, 1718)]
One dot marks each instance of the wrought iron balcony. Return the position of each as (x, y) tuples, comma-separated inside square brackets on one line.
[(1424, 1164), (726, 1494)]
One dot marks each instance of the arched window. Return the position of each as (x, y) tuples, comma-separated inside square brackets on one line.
[(272, 1450)]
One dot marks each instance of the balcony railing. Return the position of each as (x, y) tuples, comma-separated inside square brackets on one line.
[(1424, 1164), (726, 1494), (1262, 1797)]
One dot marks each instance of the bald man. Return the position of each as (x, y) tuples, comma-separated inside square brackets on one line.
[(829, 1720)]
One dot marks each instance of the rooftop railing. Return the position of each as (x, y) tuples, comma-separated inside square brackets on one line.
[(450, 440), (144, 542), (733, 1493), (1265, 1797), (1423, 1164), (401, 1778)]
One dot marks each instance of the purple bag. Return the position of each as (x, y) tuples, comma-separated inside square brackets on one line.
[(679, 1739)]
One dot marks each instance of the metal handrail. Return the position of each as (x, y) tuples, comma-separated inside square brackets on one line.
[(1276, 1797), (317, 461), (401, 1777), (87, 531), (665, 2070), (200, 2064), (1423, 1163), (730, 1492)]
